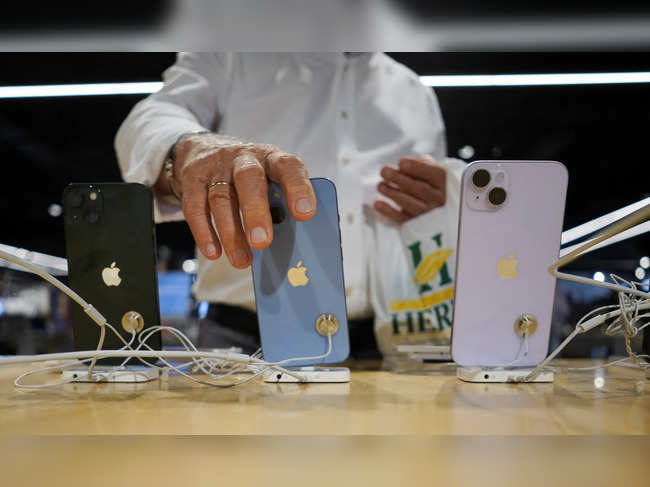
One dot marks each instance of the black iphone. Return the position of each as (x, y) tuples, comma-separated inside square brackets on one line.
[(111, 250)]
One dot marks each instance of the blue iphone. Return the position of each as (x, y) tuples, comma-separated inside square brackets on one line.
[(298, 278)]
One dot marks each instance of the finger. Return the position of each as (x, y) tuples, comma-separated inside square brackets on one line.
[(424, 169), (252, 193), (225, 211), (290, 172), (411, 205), (415, 187), (389, 212), (197, 215)]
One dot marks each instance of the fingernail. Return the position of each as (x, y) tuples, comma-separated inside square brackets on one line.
[(304, 206), (240, 257), (258, 235), (210, 250)]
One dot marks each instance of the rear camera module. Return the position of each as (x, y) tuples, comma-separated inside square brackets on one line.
[(497, 196), (481, 178)]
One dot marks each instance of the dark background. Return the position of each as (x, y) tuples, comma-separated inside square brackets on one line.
[(600, 132), (141, 14)]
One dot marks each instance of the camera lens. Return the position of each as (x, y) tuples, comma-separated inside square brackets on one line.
[(481, 178), (497, 196), (75, 199), (92, 216), (277, 214)]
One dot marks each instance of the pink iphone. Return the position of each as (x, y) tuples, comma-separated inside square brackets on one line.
[(511, 216)]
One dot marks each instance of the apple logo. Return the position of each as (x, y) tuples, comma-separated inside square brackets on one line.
[(111, 276), (298, 275), (507, 268)]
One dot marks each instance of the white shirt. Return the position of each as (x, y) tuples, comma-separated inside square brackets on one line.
[(344, 115)]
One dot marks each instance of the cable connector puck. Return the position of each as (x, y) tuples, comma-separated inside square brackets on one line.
[(526, 325), (327, 324)]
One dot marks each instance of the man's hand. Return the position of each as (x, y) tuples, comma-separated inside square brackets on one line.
[(416, 186), (242, 170)]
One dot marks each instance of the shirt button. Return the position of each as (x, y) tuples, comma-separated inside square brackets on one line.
[(346, 160), (348, 291), (350, 217), (344, 114)]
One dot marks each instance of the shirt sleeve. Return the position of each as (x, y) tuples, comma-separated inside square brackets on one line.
[(191, 99), (438, 126)]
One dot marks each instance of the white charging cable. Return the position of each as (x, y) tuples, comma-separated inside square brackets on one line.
[(624, 318), (523, 346), (207, 362), (74, 363)]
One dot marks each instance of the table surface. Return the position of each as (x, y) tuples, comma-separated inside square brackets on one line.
[(611, 401)]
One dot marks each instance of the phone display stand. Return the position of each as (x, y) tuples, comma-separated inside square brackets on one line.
[(501, 374), (418, 359), (310, 374), (112, 373), (421, 353)]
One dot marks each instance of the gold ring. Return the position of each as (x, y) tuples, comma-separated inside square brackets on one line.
[(217, 183)]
